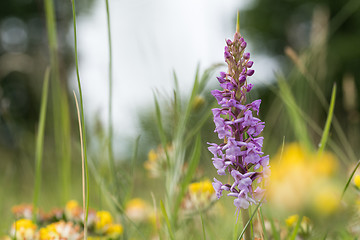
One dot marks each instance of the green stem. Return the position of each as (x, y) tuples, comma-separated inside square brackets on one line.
[(40, 143), (82, 113), (60, 106), (110, 126), (245, 219)]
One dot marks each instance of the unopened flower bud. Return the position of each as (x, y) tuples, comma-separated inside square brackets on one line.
[(243, 45), (250, 72), (242, 79), (249, 64)]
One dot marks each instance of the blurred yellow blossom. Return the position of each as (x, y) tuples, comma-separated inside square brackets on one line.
[(73, 210), (103, 221), (114, 231), (292, 220), (156, 161), (327, 200), (60, 230), (200, 195), (23, 229), (299, 178), (138, 210)]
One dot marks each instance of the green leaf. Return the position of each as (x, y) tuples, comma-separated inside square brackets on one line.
[(203, 226), (161, 130), (82, 116), (193, 163), (263, 224), (299, 125), (296, 229), (40, 143), (325, 134), (167, 220), (349, 180)]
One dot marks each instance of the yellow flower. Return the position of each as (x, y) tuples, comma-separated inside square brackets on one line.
[(23, 229), (60, 230), (200, 195), (156, 161), (72, 204), (297, 177), (327, 200), (292, 220), (203, 187), (115, 230), (73, 210), (103, 221), (137, 210)]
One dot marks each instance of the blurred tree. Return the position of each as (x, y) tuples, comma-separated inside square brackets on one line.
[(24, 55), (323, 35)]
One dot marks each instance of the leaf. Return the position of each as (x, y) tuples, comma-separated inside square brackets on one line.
[(166, 220), (40, 142), (325, 134)]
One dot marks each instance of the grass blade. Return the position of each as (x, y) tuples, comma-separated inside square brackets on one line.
[(40, 143), (203, 226), (325, 135), (349, 180), (60, 107), (82, 163), (110, 125), (296, 229), (82, 114), (262, 224), (193, 163), (167, 220), (161, 130), (298, 123)]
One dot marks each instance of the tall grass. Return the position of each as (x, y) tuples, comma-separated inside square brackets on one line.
[(83, 136), (39, 144), (110, 124), (60, 107)]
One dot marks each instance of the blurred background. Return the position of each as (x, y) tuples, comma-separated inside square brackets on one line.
[(311, 44)]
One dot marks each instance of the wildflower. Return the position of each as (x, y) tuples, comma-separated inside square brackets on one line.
[(61, 230), (236, 123), (327, 200), (156, 161), (74, 212), (114, 231), (293, 219), (103, 221), (301, 179), (138, 210), (199, 196), (22, 211), (23, 229)]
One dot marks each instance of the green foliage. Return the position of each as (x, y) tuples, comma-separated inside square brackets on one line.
[(40, 144)]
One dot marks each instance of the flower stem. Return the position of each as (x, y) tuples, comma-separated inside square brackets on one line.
[(245, 218)]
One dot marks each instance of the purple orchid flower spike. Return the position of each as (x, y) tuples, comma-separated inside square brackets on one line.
[(237, 123)]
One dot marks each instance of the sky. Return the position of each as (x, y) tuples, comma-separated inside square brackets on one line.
[(150, 40)]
